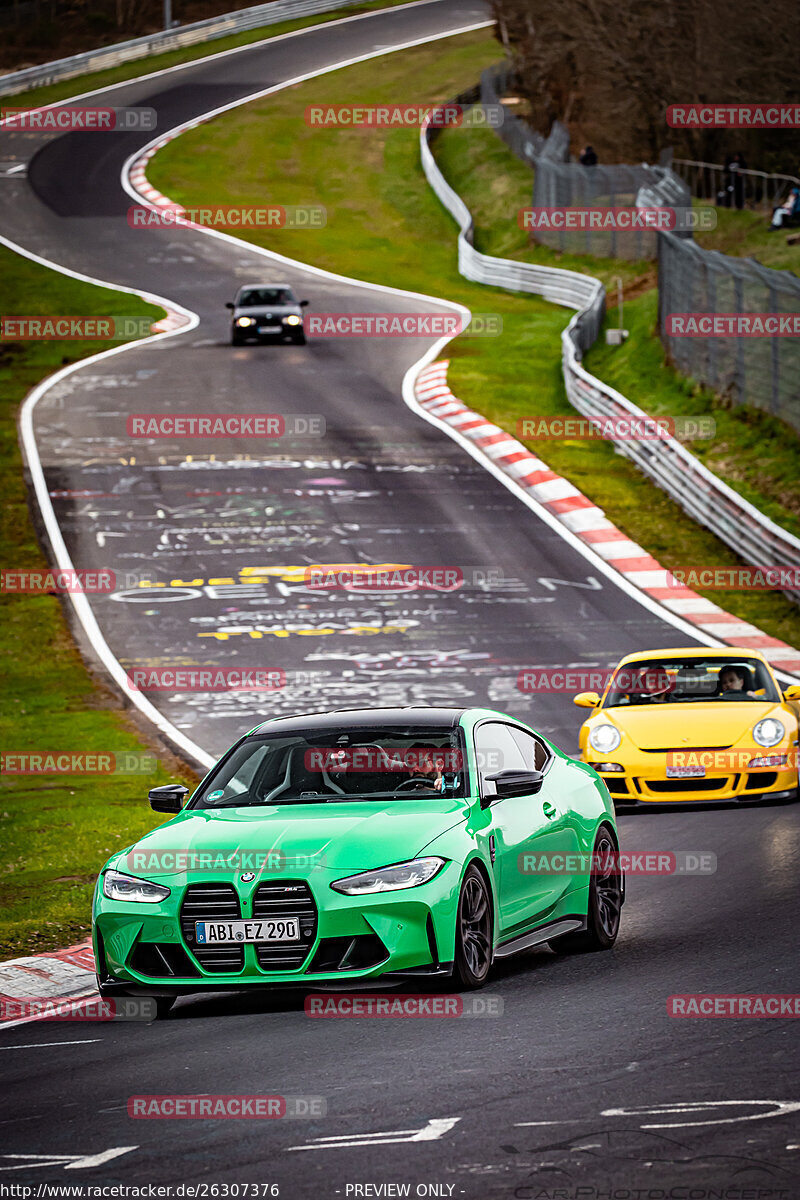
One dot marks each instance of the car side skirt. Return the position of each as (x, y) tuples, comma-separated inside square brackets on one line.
[(536, 937)]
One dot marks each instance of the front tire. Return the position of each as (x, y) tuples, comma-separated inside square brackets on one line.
[(474, 928), (605, 902), (299, 339)]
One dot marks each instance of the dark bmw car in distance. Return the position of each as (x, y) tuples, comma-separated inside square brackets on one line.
[(264, 312)]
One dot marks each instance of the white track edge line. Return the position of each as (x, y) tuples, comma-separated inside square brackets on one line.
[(81, 606)]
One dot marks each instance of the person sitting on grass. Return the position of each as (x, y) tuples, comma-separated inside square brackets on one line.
[(787, 213)]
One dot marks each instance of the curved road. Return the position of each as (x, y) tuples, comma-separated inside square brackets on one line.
[(559, 1091)]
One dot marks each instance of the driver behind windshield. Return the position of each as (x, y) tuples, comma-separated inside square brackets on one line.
[(734, 679), (426, 771)]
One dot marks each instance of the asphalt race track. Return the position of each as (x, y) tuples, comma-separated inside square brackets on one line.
[(583, 1081)]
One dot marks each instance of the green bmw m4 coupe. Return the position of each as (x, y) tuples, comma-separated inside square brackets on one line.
[(362, 846)]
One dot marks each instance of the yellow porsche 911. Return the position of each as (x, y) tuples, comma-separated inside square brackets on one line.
[(697, 724)]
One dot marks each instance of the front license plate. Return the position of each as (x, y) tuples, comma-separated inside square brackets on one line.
[(686, 772), (218, 933), (269, 329)]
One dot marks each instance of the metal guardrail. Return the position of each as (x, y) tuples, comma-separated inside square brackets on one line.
[(104, 57), (756, 539), (759, 189)]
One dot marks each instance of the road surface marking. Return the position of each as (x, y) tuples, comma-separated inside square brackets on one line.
[(70, 1162), (42, 1045), (431, 1132)]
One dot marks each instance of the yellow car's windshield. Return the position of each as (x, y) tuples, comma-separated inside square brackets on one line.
[(691, 681)]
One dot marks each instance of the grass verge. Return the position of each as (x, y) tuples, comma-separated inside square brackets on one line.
[(385, 225), (55, 831)]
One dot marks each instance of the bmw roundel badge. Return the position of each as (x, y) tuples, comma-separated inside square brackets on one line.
[(247, 876)]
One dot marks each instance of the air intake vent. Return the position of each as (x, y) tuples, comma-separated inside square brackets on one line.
[(162, 960)]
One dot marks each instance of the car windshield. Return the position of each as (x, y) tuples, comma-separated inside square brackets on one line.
[(252, 297), (333, 765), (691, 681)]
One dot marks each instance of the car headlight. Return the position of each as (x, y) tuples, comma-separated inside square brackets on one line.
[(292, 320), (604, 738), (769, 731), (117, 886), (245, 321), (390, 879)]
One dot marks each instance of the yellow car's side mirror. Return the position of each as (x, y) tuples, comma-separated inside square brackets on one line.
[(792, 693), (591, 699)]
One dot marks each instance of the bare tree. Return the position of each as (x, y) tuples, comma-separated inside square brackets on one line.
[(610, 71)]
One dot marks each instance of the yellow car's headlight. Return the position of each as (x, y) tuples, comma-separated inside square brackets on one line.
[(605, 738), (769, 732)]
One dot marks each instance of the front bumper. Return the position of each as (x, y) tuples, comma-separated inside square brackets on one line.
[(644, 780), (151, 946), (254, 333)]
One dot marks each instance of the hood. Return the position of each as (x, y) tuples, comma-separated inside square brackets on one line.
[(294, 839), (708, 723)]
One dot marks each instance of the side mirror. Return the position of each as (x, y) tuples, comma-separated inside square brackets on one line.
[(229, 304), (304, 303), (515, 783), (792, 693), (586, 700), (168, 798)]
